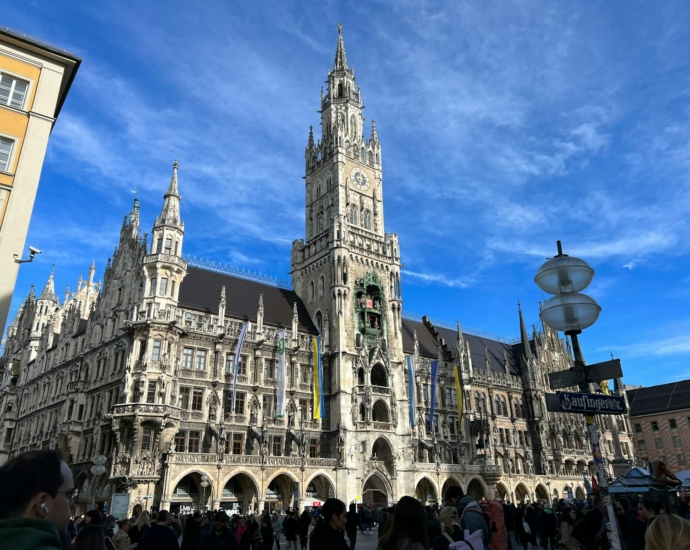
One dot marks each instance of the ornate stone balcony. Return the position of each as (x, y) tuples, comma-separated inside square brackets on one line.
[(168, 258), (148, 409), (251, 460)]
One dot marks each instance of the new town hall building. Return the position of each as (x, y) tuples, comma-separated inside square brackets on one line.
[(139, 369)]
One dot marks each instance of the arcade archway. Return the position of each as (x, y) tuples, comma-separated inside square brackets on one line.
[(380, 412), (375, 491), (502, 492), (579, 493), (279, 493), (425, 491), (382, 452), (521, 493), (450, 481), (190, 494), (476, 490), (541, 493), (319, 489), (240, 493)]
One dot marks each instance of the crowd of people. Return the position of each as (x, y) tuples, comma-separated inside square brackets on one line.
[(38, 495)]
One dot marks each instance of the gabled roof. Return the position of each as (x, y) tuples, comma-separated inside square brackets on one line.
[(201, 290), (657, 399), (428, 346)]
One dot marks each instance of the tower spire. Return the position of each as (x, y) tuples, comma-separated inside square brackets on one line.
[(49, 290), (171, 207), (524, 337), (340, 63)]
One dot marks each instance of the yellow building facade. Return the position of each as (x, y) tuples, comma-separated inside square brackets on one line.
[(35, 79)]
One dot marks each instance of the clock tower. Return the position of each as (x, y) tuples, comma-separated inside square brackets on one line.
[(347, 272)]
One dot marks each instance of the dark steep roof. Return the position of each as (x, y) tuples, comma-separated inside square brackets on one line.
[(428, 346), (201, 289), (657, 399)]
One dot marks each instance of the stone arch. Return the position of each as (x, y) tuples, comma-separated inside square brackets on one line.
[(188, 490), (323, 485), (378, 376), (377, 489), (477, 489), (380, 412), (322, 286), (360, 376), (579, 493), (239, 491), (279, 490), (502, 492), (541, 493), (521, 493), (426, 491)]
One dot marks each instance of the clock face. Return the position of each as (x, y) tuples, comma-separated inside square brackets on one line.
[(359, 179)]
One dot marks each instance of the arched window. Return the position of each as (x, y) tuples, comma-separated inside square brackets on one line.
[(477, 403), (362, 413), (504, 406), (378, 376), (322, 286), (360, 376), (353, 215), (371, 157), (319, 190), (497, 406), (353, 127), (319, 223), (340, 89), (366, 219), (329, 183), (363, 154), (311, 290), (319, 321)]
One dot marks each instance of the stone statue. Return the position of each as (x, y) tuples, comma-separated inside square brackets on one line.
[(161, 387), (125, 384), (222, 438), (213, 406)]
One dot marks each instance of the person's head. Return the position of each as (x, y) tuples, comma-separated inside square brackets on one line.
[(37, 484), (648, 508), (123, 525), (353, 507), (334, 512), (93, 517), (668, 532), (447, 517), (110, 521), (197, 516), (143, 519), (220, 520), (205, 517), (453, 494), (137, 510), (242, 523), (91, 537), (408, 521), (163, 518), (569, 516)]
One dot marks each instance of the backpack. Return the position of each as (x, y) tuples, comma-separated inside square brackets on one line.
[(470, 542), (493, 512)]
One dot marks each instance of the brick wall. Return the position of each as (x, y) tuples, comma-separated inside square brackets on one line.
[(653, 431)]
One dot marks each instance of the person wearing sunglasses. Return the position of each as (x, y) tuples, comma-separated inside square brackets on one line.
[(38, 493), (221, 537)]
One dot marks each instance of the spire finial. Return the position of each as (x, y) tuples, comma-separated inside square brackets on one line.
[(176, 165), (171, 207), (340, 57)]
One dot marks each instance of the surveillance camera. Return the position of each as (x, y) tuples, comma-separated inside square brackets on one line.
[(34, 250)]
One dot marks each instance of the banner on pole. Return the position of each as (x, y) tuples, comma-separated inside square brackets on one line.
[(434, 382), (238, 357), (458, 391), (319, 405), (412, 390)]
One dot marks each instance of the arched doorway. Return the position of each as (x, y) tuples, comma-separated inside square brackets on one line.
[(380, 412), (521, 493), (542, 493), (502, 492), (190, 494), (319, 489), (382, 452), (375, 492), (279, 493), (240, 493), (425, 492), (450, 481), (378, 376), (579, 493), (476, 490)]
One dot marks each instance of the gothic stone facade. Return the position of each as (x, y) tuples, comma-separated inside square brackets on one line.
[(139, 368)]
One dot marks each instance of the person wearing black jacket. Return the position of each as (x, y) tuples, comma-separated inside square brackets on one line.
[(353, 522), (191, 537), (290, 526), (328, 533), (221, 538), (160, 536), (303, 528), (266, 533)]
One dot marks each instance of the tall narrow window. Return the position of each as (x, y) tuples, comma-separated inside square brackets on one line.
[(313, 448), (239, 403), (366, 219), (187, 358), (163, 290), (200, 359), (353, 215), (237, 444), (156, 351), (151, 392), (5, 152), (194, 438), (197, 399), (152, 290), (146, 438), (12, 91), (183, 399), (168, 246), (180, 441)]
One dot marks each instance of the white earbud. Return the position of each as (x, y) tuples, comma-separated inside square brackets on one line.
[(45, 508)]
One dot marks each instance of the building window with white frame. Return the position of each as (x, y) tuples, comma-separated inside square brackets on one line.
[(5, 153), (12, 91), (163, 290), (200, 362)]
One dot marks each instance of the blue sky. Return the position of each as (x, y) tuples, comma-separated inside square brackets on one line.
[(504, 126)]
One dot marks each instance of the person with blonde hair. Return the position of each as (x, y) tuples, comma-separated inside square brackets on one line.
[(142, 524), (668, 532), (450, 529)]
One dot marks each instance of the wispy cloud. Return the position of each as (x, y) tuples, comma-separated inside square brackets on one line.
[(437, 278)]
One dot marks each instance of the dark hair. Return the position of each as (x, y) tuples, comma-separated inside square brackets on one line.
[(353, 507), (122, 522), (409, 521), (650, 504), (26, 475), (330, 507), (163, 516), (96, 517), (565, 516), (624, 503), (91, 537), (454, 491)]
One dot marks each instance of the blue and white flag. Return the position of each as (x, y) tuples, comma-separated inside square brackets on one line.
[(434, 383), (238, 358), (412, 390), (280, 400)]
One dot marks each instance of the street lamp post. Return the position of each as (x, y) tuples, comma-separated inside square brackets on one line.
[(571, 312), (204, 484), (98, 469)]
